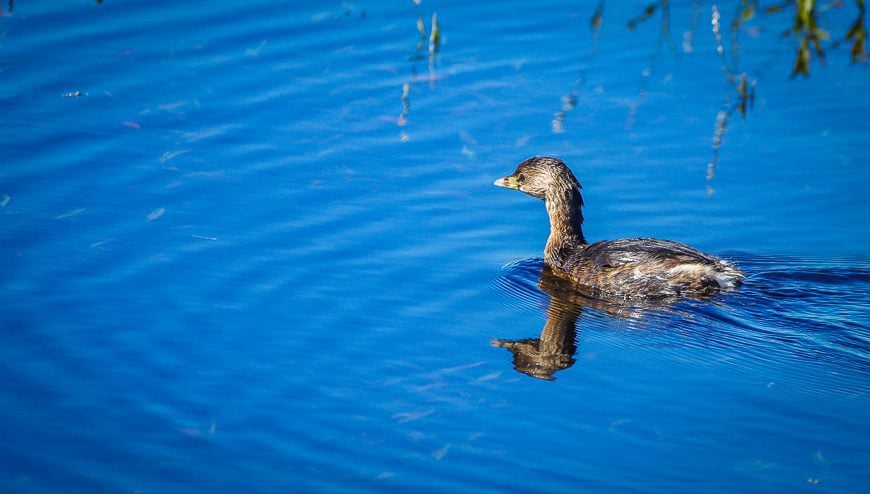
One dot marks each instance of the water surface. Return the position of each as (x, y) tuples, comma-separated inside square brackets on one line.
[(256, 247)]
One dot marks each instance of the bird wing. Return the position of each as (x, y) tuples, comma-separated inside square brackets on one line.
[(609, 254)]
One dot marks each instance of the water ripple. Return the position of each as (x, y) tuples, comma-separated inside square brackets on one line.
[(801, 310)]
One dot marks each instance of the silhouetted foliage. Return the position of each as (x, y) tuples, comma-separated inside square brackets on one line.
[(811, 37), (813, 42)]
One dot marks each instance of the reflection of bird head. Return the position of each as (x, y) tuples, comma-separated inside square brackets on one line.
[(531, 360), (554, 350)]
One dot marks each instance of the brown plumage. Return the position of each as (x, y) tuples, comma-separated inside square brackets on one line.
[(631, 267)]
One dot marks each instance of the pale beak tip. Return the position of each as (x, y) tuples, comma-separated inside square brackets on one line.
[(506, 182)]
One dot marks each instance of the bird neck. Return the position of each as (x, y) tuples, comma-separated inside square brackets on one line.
[(566, 223)]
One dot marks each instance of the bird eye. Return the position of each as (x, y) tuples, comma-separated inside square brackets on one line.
[(521, 178)]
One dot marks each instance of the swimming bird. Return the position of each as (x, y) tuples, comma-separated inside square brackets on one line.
[(624, 268)]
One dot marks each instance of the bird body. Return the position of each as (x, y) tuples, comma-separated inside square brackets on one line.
[(631, 267)]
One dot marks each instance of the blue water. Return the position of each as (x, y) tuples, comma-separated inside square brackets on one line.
[(254, 247)]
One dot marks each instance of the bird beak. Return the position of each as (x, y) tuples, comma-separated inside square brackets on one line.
[(509, 182)]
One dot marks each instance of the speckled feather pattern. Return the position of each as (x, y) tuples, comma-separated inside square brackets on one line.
[(645, 267)]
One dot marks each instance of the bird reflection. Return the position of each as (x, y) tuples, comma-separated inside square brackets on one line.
[(554, 349)]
